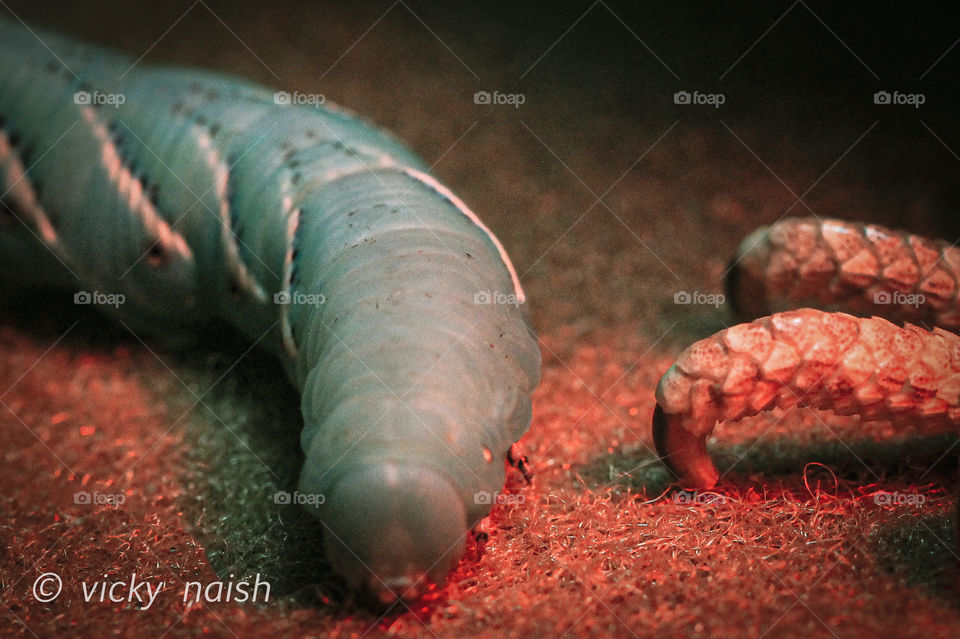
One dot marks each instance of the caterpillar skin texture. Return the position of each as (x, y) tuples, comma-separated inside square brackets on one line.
[(836, 265), (807, 357), (200, 199)]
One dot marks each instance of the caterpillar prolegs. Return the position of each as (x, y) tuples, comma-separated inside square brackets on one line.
[(851, 365), (198, 198)]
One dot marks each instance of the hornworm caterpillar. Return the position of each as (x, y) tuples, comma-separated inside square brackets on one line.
[(807, 357), (837, 265), (198, 198)]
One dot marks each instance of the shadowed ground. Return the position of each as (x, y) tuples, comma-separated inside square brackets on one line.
[(611, 199)]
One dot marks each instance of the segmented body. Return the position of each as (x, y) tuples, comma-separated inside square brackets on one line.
[(850, 365), (837, 265), (199, 198)]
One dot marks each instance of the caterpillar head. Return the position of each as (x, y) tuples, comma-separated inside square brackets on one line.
[(391, 528)]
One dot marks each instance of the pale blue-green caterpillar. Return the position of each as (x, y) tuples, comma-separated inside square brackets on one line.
[(184, 197)]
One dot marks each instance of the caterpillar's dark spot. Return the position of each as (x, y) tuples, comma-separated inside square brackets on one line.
[(352, 213), (294, 164), (7, 214), (469, 257), (234, 223), (295, 178), (26, 155), (214, 129), (289, 155), (201, 120), (52, 67), (157, 255), (310, 133)]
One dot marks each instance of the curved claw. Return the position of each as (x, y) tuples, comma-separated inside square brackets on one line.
[(683, 453)]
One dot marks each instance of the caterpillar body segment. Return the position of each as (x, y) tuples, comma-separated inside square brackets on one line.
[(832, 264), (807, 357), (200, 198)]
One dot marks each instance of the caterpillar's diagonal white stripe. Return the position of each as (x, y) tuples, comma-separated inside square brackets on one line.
[(197, 197)]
